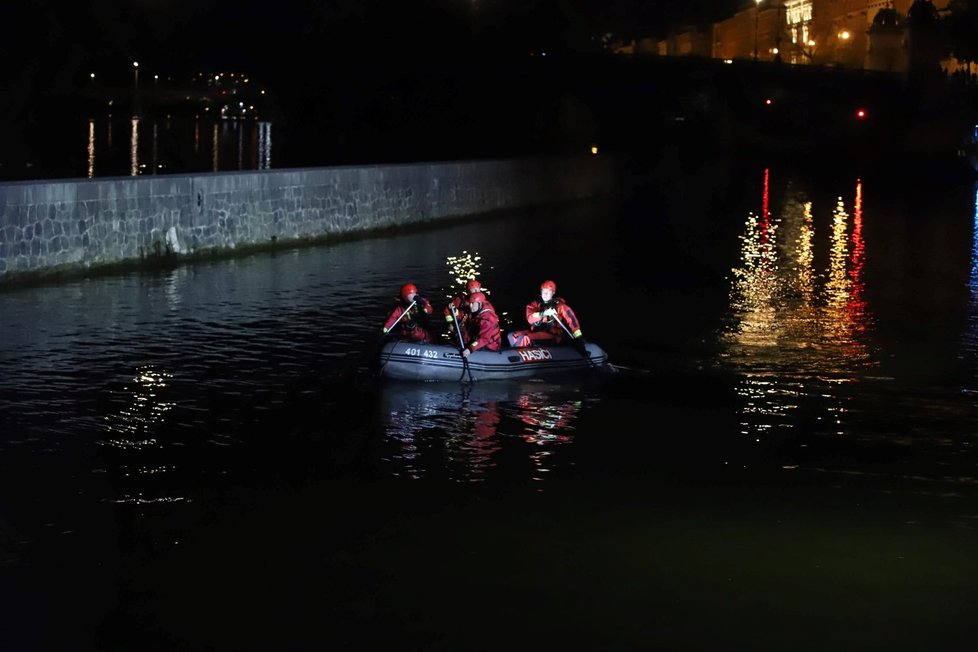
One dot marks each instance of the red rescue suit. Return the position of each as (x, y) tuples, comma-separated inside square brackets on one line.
[(410, 326), (483, 329), (543, 328)]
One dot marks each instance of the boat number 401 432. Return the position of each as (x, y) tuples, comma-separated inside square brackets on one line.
[(424, 353)]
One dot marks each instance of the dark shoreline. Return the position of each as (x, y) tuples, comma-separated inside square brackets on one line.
[(515, 108)]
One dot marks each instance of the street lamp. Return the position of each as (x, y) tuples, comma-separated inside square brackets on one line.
[(135, 88), (757, 12)]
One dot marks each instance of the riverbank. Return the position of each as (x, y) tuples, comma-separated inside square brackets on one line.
[(71, 227)]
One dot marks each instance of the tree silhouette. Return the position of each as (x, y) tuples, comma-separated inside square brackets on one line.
[(961, 25)]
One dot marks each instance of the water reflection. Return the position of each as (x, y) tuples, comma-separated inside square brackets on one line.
[(264, 145), (969, 344), (133, 425), (177, 143), (91, 149), (548, 425), (215, 149), (466, 431), (798, 333), (134, 147)]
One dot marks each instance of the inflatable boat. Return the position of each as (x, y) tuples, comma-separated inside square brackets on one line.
[(404, 360)]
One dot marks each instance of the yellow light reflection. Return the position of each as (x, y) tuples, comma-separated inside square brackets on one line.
[(134, 147), (467, 266), (464, 266), (797, 334)]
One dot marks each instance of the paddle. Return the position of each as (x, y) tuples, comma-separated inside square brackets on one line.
[(399, 318), (384, 336), (574, 341), (461, 349)]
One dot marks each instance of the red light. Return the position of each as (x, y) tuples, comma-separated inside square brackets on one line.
[(769, 101), (860, 113)]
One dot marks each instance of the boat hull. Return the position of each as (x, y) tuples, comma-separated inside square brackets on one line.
[(441, 362)]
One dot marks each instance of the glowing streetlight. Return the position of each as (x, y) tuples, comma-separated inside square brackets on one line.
[(135, 89)]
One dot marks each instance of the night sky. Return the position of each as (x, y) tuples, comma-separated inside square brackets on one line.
[(60, 41), (51, 47)]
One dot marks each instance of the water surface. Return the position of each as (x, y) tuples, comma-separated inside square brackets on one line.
[(783, 456)]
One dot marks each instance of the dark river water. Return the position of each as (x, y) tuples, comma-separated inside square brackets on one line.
[(782, 457)]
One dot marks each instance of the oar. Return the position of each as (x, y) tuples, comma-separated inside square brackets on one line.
[(380, 342), (461, 349), (580, 347), (400, 317)]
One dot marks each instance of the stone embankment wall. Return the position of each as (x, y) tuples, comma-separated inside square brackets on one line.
[(75, 225)]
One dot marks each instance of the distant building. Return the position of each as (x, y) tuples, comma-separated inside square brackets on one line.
[(696, 41), (869, 34), (887, 45)]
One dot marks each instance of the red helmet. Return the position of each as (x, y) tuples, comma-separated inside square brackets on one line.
[(407, 290), (473, 286), (477, 297), (549, 285)]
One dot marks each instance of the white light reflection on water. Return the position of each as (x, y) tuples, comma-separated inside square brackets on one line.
[(91, 149), (799, 333), (264, 145), (140, 500), (133, 425)]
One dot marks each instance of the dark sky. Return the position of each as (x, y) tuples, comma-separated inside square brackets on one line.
[(51, 46), (203, 32)]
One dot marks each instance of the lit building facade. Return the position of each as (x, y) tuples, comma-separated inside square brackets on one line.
[(822, 32)]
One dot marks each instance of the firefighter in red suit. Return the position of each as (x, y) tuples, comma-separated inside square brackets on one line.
[(410, 320), (458, 307), (482, 326), (542, 315)]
